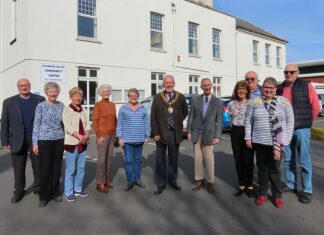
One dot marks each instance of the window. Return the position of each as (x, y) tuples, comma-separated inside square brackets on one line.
[(193, 38), (278, 53), (194, 84), (216, 44), (156, 82), (217, 88), (121, 95), (156, 31), (88, 83), (267, 54), (87, 18), (255, 52)]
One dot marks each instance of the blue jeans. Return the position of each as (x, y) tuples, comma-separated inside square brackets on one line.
[(133, 161), (301, 143), (74, 171)]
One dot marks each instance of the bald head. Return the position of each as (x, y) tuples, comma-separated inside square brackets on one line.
[(291, 72), (23, 86)]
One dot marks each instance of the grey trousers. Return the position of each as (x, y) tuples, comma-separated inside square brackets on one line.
[(105, 157)]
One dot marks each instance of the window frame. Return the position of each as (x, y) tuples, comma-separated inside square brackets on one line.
[(215, 43), (92, 10), (267, 54), (157, 30), (193, 38), (255, 51), (278, 56)]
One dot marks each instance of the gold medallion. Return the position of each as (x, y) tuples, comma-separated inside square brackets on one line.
[(170, 109)]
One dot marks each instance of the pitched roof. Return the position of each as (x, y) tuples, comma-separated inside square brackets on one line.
[(244, 25)]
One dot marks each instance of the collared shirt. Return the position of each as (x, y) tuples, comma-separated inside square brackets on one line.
[(256, 93), (206, 103)]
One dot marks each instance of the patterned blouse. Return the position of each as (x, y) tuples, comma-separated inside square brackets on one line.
[(48, 124), (237, 111)]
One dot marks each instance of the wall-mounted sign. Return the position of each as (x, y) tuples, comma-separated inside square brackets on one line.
[(53, 73)]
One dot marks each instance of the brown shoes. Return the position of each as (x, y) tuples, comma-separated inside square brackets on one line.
[(199, 184), (210, 187), (102, 188)]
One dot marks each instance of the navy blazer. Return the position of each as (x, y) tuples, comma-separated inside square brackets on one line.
[(12, 124), (210, 126)]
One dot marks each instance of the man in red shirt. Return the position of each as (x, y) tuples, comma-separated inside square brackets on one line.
[(305, 102)]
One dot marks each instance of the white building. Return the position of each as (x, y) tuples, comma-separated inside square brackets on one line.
[(130, 44)]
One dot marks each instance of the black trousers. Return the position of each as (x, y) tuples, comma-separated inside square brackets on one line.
[(268, 168), (19, 166), (50, 159), (243, 156), (162, 171)]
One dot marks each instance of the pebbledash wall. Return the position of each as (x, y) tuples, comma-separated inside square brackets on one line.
[(131, 44)]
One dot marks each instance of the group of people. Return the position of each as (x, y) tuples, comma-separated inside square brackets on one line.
[(273, 121), (264, 119)]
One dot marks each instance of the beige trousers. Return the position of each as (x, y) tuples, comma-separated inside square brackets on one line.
[(105, 157), (204, 154)]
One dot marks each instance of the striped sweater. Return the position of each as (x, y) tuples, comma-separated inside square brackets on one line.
[(257, 125), (133, 126)]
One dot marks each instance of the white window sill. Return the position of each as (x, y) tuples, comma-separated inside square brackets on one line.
[(269, 65), (217, 59), (158, 50), (257, 64), (84, 39), (194, 55)]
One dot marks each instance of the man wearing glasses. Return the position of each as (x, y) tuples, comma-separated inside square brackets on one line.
[(252, 80), (304, 100)]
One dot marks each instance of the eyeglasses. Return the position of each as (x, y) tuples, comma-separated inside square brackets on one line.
[(249, 79), (268, 87), (290, 72)]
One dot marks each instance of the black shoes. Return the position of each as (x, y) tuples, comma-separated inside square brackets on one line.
[(158, 191), (286, 189), (57, 198), (129, 186), (42, 203), (305, 197), (238, 192), (16, 198), (250, 192), (175, 186), (139, 184)]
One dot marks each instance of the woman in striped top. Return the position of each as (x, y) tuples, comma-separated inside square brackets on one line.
[(133, 130), (269, 124)]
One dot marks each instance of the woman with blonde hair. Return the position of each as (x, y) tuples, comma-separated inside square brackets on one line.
[(77, 130)]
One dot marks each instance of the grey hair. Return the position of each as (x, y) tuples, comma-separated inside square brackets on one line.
[(51, 85), (205, 79), (133, 90), (168, 75), (270, 80), (102, 87)]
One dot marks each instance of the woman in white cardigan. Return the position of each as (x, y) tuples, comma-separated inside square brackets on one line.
[(77, 130)]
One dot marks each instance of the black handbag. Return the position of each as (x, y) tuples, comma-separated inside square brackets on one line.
[(116, 142)]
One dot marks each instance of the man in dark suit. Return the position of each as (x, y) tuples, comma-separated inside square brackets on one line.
[(169, 109), (16, 134), (205, 130)]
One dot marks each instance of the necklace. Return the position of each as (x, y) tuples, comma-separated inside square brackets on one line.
[(170, 103)]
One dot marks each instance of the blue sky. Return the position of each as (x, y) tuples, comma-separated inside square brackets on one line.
[(301, 22)]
